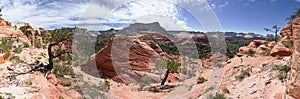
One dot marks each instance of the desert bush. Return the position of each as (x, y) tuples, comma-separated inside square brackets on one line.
[(216, 96), (266, 52), (251, 53), (60, 71), (201, 80), (288, 44), (225, 90), (280, 77), (219, 96), (26, 45), (285, 68), (18, 49), (38, 44), (145, 82), (6, 45), (243, 74), (104, 86)]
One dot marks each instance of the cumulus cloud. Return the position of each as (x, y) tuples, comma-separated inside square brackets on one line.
[(91, 14)]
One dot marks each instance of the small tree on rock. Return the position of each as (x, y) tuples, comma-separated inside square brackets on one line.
[(275, 31), (60, 40), (172, 67)]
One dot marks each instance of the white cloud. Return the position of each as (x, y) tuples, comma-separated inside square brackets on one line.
[(298, 1), (51, 14), (219, 7)]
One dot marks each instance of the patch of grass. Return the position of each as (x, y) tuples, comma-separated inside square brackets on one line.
[(60, 71), (244, 74), (288, 44), (219, 96), (266, 52), (216, 96), (201, 80)]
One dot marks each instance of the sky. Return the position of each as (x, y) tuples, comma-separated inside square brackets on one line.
[(231, 15)]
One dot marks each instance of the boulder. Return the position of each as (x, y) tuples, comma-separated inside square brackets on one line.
[(256, 43), (262, 48), (281, 50), (243, 50), (271, 44)]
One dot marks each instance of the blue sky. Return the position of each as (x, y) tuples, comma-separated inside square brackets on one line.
[(232, 15), (254, 15)]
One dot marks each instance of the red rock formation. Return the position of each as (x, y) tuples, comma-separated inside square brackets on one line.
[(142, 53), (50, 89), (294, 85), (281, 50), (5, 23), (30, 33)]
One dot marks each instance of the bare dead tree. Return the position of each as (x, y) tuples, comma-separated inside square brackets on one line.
[(275, 31)]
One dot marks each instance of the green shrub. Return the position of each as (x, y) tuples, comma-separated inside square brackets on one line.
[(104, 86), (107, 84), (244, 74), (37, 44), (219, 96), (26, 45), (285, 68), (145, 82), (18, 49), (13, 77), (280, 77), (266, 52), (201, 80), (60, 71), (225, 90), (251, 53), (288, 44), (6, 45)]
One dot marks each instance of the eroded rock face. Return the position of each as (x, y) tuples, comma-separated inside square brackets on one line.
[(139, 52), (294, 85), (4, 23), (281, 50)]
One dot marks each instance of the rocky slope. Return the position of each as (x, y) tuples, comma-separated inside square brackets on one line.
[(22, 58), (261, 70)]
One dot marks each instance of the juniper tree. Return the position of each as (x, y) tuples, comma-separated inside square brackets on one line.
[(172, 67), (58, 39)]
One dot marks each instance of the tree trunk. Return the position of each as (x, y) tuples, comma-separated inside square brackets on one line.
[(50, 60), (166, 76)]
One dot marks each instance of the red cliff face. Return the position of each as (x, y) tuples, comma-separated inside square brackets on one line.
[(294, 84), (141, 51)]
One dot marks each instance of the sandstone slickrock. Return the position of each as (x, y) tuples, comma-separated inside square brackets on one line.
[(141, 57), (281, 50)]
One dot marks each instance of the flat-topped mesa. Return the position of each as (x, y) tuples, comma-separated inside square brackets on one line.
[(139, 28)]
